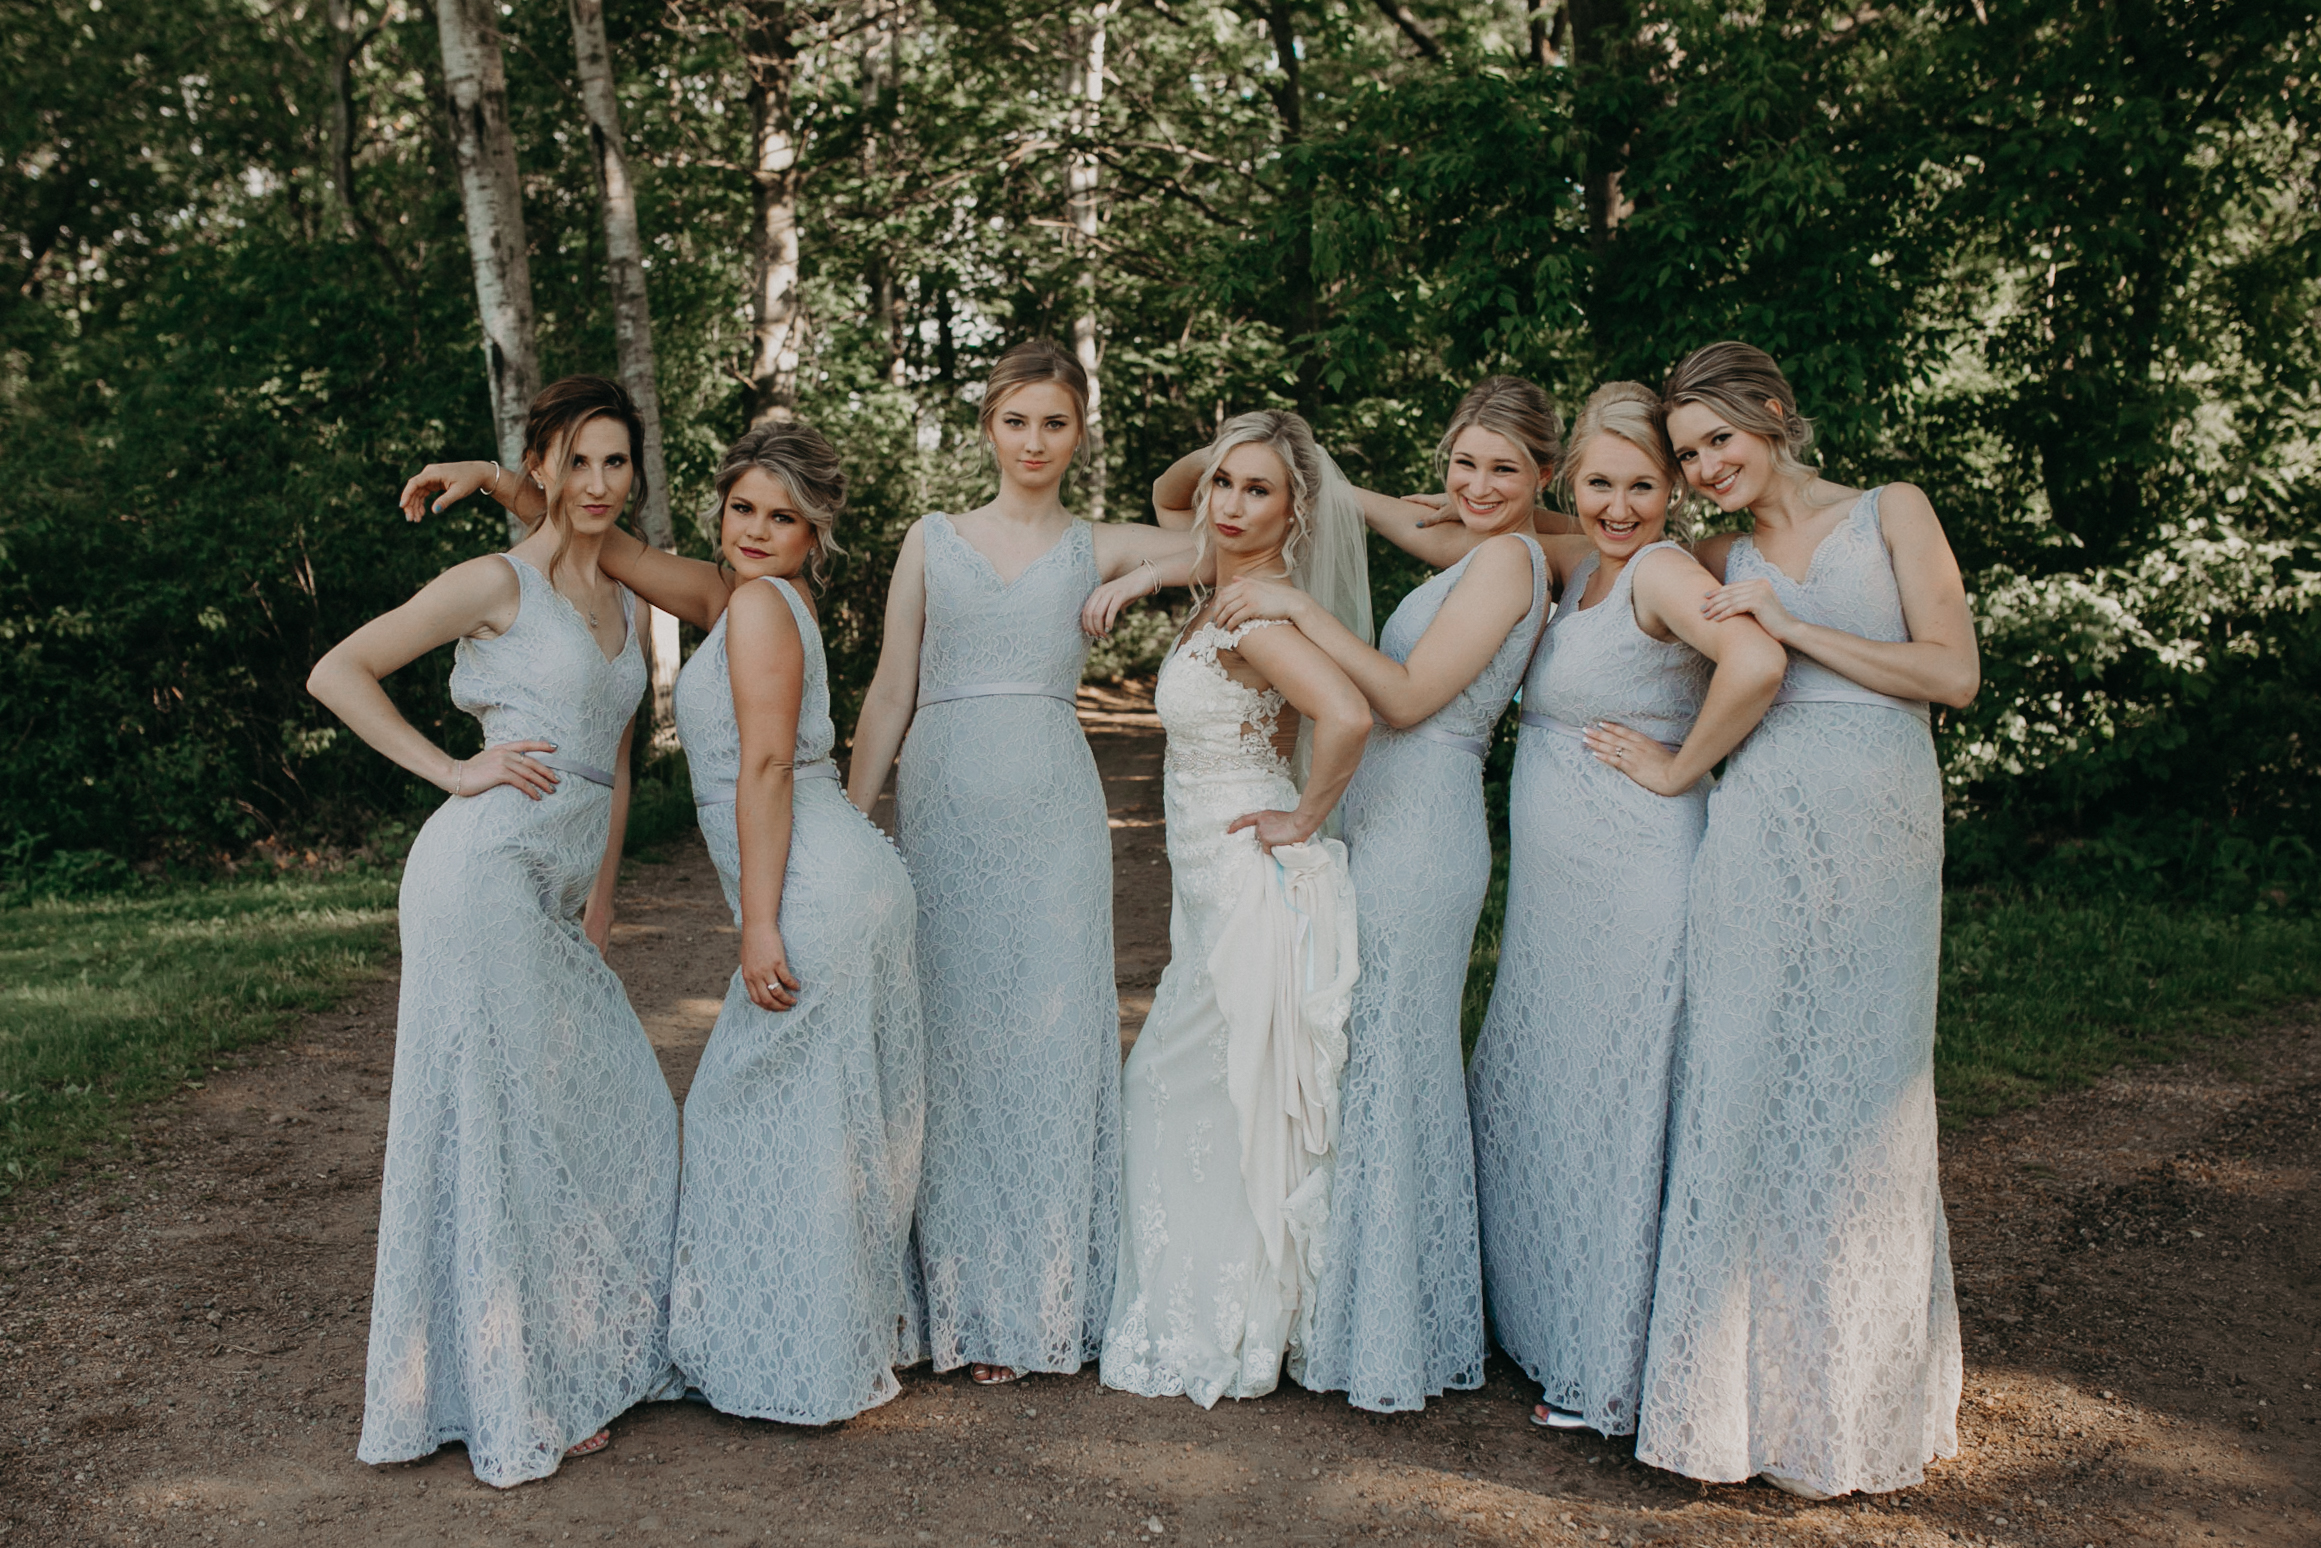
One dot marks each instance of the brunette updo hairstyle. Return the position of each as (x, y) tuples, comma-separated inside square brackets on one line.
[(807, 466), (1516, 409), (557, 414), (1737, 380), (1036, 360), (1631, 412)]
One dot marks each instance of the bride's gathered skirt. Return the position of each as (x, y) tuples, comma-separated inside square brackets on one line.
[(1229, 1097)]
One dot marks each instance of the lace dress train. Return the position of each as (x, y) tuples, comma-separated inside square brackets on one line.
[(521, 1295), (802, 1128)]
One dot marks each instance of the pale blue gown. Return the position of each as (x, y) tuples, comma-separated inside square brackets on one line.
[(522, 1293), (1399, 1317), (1002, 821), (802, 1128), (1569, 1086), (1804, 1321)]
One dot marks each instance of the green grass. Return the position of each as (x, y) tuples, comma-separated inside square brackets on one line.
[(108, 1002), (2042, 993), (112, 1001)]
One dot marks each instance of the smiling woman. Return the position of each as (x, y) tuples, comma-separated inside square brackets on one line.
[(1399, 1310), (1804, 1325)]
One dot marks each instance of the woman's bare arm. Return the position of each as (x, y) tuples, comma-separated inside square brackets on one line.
[(693, 589), (1666, 594), (1327, 697), (893, 699), (1490, 599), (596, 920), (1172, 492), (1939, 662), (768, 659), (478, 598)]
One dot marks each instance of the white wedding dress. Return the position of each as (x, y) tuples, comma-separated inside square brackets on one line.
[(1230, 1099)]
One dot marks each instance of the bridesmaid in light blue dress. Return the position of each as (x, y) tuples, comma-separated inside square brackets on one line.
[(1569, 1086), (1398, 1315), (1804, 1326), (802, 1128), (530, 1187), (1002, 822)]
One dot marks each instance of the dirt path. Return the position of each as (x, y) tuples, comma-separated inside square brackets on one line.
[(183, 1340)]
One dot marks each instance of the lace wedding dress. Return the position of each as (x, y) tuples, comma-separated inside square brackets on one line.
[(1229, 1099)]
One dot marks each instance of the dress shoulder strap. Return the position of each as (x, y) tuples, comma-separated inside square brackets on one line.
[(1539, 571), (798, 608), (1227, 639), (1628, 570)]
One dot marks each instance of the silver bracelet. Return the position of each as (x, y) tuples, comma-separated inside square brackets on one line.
[(493, 489)]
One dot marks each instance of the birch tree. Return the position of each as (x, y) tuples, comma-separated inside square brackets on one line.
[(632, 323), (491, 197), (778, 314), (1086, 89)]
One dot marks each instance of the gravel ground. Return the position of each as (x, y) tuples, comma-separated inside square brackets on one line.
[(183, 1339)]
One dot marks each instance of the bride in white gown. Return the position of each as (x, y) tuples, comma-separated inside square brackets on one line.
[(1230, 1098)]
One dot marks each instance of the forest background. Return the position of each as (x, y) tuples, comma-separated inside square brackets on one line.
[(2056, 261)]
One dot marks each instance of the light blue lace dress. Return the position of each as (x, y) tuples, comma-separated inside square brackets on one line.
[(1399, 1318), (1569, 1087), (521, 1296), (1003, 824), (1803, 1321), (802, 1127)]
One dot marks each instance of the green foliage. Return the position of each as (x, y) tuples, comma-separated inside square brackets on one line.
[(2055, 262), (660, 805), (112, 1001)]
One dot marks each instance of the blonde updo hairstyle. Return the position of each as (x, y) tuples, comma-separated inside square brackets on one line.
[(1292, 440), (807, 466), (1516, 409), (1737, 381), (1631, 412), (1034, 361)]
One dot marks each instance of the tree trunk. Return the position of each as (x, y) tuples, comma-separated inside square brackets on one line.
[(632, 329), (1598, 30), (1301, 296), (342, 108), (778, 328), (491, 195), (1086, 89), (879, 87)]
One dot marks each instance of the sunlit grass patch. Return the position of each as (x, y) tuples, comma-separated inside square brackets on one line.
[(109, 1001), (2041, 992)]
